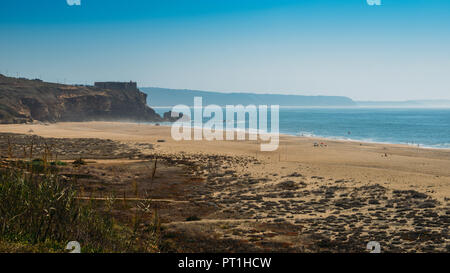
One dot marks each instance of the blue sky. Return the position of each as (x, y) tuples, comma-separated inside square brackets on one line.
[(399, 50)]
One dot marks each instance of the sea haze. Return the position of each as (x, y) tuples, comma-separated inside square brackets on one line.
[(172, 97)]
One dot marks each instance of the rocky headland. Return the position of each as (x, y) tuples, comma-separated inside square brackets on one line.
[(23, 101)]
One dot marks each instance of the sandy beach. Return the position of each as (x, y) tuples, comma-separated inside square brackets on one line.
[(344, 192), (405, 167)]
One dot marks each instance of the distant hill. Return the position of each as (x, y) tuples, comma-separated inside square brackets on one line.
[(23, 100), (408, 103), (171, 97)]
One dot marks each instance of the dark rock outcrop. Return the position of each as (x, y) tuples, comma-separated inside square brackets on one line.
[(168, 116), (23, 100)]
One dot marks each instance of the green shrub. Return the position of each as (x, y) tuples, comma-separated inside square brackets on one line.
[(58, 163), (79, 162), (39, 208), (193, 218)]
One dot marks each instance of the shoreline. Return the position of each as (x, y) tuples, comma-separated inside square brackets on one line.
[(286, 135), (405, 132), (322, 138)]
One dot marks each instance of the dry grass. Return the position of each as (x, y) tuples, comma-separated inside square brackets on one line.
[(39, 212)]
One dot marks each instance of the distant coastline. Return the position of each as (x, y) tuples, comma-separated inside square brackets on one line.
[(171, 97), (406, 104), (165, 97)]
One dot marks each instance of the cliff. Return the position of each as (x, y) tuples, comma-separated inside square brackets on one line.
[(23, 100)]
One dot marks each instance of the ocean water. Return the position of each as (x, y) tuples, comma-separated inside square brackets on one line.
[(426, 127)]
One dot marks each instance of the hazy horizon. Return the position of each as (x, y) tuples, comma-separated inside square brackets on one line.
[(394, 52), (446, 101), (292, 93)]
